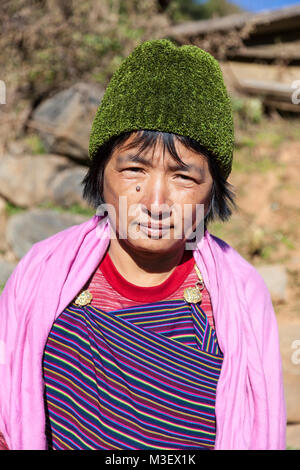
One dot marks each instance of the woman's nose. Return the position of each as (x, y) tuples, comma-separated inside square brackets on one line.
[(156, 196)]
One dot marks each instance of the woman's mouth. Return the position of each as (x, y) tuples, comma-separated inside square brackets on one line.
[(155, 230)]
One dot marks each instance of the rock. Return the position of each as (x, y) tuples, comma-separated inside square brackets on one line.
[(15, 147), (25, 179), (6, 269), (275, 277), (64, 120), (293, 436), (289, 334), (66, 188), (27, 228)]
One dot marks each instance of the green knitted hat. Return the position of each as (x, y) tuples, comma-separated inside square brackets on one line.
[(167, 88)]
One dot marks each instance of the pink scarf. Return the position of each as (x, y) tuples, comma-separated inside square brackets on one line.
[(250, 403)]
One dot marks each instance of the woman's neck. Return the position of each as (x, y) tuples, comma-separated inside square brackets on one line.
[(142, 268)]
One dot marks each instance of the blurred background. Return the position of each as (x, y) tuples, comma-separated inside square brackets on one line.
[(57, 56)]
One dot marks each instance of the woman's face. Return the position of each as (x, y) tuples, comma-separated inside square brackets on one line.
[(160, 216)]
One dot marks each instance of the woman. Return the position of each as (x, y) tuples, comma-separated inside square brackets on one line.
[(139, 329)]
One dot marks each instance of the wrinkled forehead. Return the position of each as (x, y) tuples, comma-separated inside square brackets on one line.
[(155, 149)]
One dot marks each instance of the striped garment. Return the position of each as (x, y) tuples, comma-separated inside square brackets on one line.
[(113, 382), (111, 291)]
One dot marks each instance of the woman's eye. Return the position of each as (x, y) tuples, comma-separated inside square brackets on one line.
[(135, 169), (185, 177)]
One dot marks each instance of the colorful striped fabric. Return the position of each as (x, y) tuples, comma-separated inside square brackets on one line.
[(106, 282), (173, 321), (135, 378)]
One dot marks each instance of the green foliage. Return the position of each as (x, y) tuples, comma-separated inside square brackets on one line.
[(184, 10), (280, 237), (187, 10), (128, 32), (1, 287), (272, 244), (49, 45), (35, 144), (247, 110), (11, 209), (266, 252), (52, 44), (74, 209), (245, 141), (250, 165), (271, 138), (77, 209), (101, 45)]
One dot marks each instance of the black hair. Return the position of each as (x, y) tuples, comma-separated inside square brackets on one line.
[(222, 196)]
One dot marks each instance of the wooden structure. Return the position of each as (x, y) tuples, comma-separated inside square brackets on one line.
[(259, 53)]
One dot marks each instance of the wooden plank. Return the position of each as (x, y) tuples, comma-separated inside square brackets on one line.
[(294, 108), (202, 27), (267, 21), (287, 51), (280, 91), (234, 72)]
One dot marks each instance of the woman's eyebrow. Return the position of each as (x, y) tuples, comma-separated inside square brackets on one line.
[(175, 167), (186, 167), (133, 158)]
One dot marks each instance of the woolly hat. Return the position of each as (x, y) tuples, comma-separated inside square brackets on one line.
[(167, 88)]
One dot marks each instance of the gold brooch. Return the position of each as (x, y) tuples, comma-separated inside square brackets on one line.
[(193, 295), (84, 298)]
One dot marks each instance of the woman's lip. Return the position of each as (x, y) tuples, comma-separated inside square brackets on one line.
[(156, 227)]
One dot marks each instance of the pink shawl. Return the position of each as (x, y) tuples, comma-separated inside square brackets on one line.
[(250, 403)]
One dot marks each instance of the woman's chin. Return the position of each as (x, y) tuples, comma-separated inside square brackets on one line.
[(153, 245)]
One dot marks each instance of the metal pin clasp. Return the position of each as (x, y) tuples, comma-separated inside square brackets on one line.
[(84, 298), (193, 295)]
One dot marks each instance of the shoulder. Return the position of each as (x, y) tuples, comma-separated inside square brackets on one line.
[(50, 260), (58, 247), (59, 242)]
